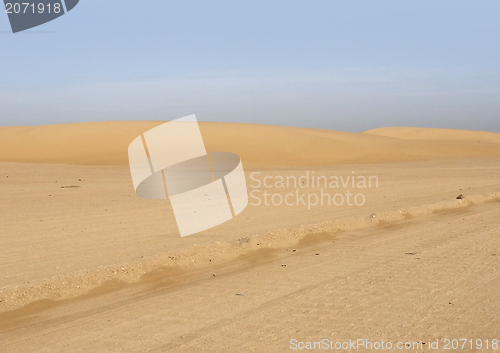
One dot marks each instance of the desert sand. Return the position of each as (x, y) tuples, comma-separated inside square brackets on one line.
[(87, 265)]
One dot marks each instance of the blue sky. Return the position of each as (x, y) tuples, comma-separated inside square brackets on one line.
[(341, 65)]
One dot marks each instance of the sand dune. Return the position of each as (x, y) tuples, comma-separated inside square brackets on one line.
[(418, 133), (105, 143)]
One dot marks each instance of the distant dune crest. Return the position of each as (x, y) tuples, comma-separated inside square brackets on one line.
[(106, 143), (417, 133)]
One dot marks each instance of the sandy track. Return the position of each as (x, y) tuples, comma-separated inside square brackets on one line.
[(420, 279), (60, 243)]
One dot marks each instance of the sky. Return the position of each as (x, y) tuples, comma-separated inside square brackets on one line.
[(340, 65)]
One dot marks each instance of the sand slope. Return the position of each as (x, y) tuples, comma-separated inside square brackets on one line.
[(106, 143), (417, 133)]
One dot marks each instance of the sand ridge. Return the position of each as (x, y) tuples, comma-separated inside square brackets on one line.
[(106, 143), (433, 134)]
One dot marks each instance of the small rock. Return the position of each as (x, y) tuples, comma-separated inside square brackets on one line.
[(459, 197)]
